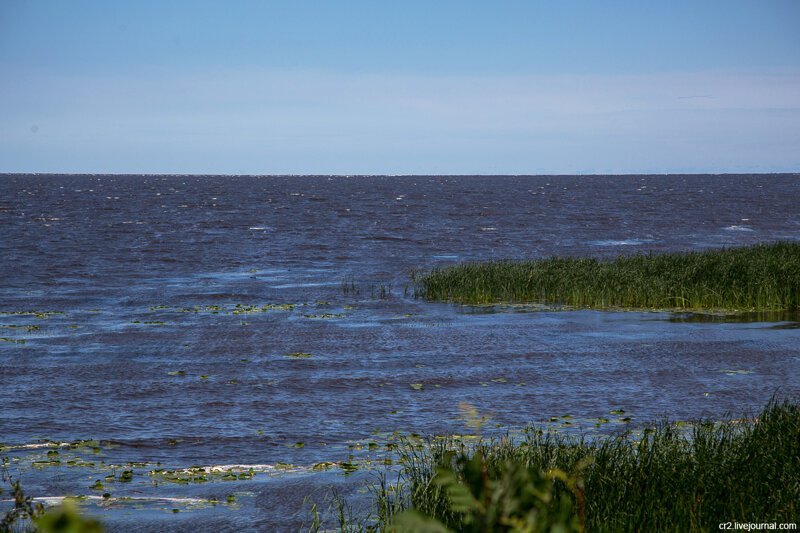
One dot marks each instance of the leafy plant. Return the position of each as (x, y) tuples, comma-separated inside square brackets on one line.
[(28, 515), (503, 497), (25, 510)]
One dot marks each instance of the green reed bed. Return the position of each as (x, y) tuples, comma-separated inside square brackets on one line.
[(764, 277), (668, 477)]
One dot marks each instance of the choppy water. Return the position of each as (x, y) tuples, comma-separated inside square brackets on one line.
[(155, 315)]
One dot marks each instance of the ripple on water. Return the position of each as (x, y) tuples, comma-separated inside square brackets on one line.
[(621, 242), (219, 242)]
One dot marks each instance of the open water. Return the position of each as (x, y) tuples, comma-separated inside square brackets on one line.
[(263, 330)]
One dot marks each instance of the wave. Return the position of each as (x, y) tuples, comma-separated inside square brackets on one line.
[(52, 501), (738, 228), (622, 242)]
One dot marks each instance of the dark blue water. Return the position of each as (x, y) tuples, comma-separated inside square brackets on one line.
[(157, 316)]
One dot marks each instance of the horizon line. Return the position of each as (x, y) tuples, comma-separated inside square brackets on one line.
[(414, 175)]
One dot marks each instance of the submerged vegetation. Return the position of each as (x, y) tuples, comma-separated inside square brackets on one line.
[(764, 277), (665, 477)]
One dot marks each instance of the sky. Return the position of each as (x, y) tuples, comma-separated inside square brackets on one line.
[(412, 87)]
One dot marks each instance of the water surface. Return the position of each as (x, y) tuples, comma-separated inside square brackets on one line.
[(157, 315)]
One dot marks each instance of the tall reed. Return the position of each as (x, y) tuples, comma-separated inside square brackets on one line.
[(664, 478), (764, 277)]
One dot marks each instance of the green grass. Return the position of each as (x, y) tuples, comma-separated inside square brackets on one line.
[(668, 477), (764, 277)]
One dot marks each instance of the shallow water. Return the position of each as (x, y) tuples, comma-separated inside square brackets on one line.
[(157, 316)]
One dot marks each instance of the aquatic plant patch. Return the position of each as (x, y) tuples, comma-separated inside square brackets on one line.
[(764, 277)]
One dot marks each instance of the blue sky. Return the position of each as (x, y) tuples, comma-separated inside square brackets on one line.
[(400, 87)]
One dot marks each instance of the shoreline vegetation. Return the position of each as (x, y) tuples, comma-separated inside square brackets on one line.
[(758, 278), (661, 476), (664, 477)]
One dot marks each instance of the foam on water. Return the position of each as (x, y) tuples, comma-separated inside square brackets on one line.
[(621, 242), (52, 501), (738, 228)]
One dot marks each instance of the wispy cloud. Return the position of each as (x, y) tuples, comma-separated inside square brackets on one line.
[(255, 120)]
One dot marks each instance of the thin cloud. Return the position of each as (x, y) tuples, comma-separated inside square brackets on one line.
[(259, 120)]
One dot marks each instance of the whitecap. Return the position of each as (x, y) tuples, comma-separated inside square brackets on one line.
[(622, 242), (738, 228), (35, 446), (228, 468), (52, 501)]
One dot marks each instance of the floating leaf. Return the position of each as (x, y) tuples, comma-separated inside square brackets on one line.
[(42, 464), (348, 467)]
